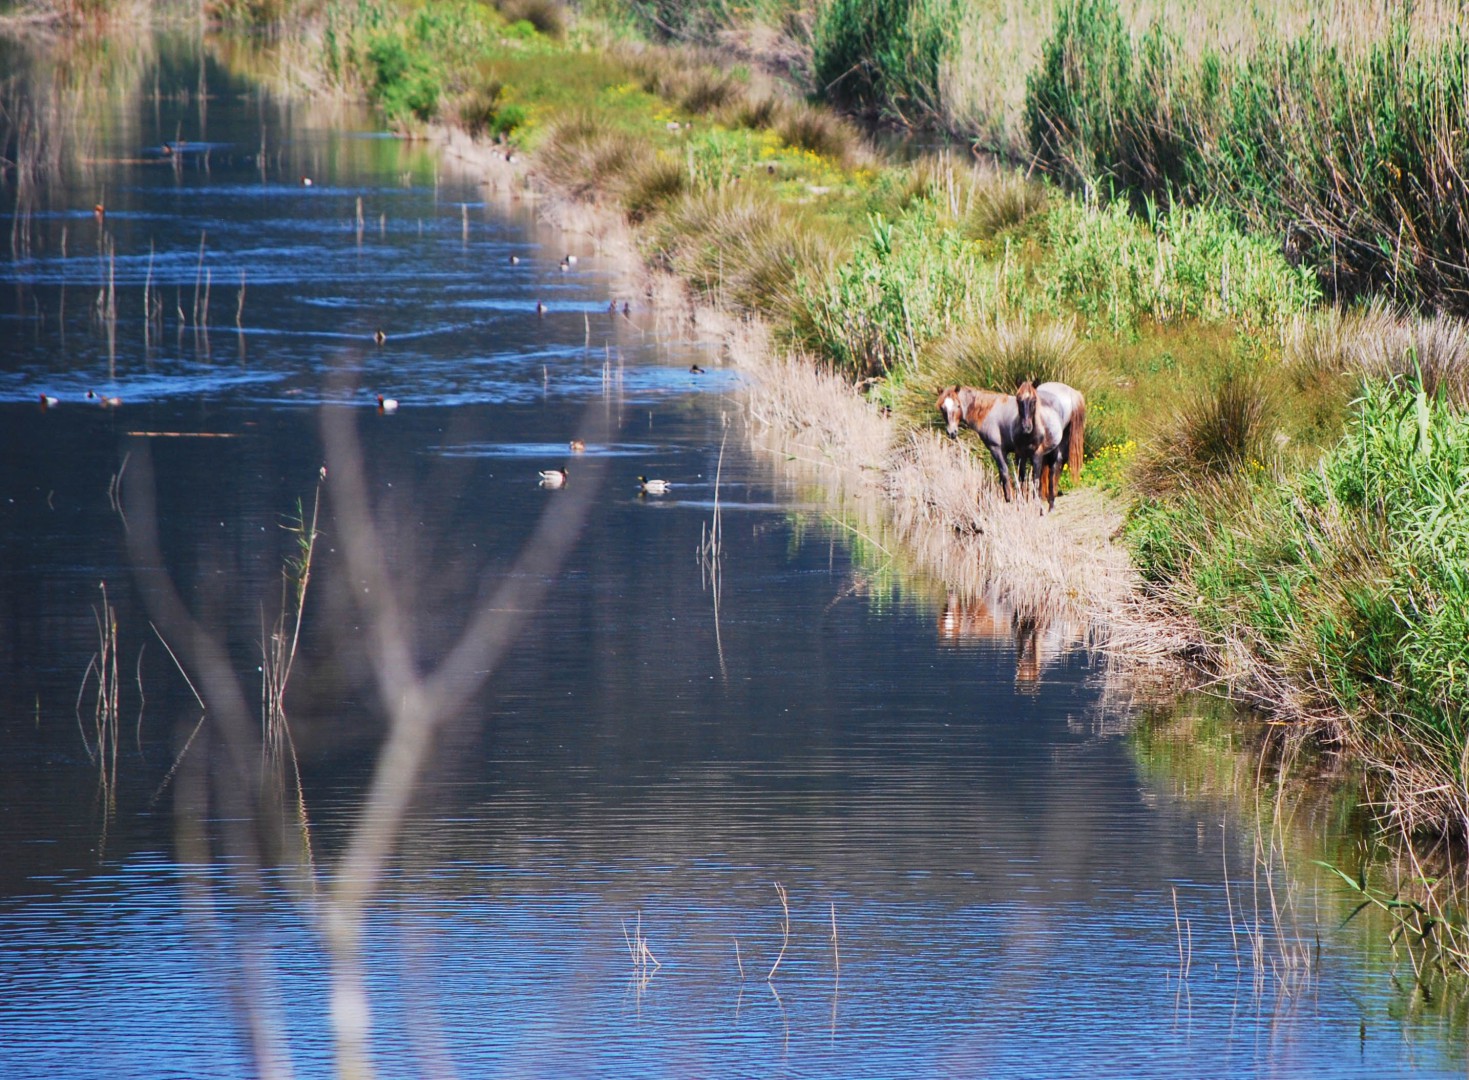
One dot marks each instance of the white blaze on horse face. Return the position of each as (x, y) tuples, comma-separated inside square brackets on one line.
[(950, 405)]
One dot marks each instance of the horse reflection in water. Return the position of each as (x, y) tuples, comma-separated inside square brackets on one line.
[(1038, 641)]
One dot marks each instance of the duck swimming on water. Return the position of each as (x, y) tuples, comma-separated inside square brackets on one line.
[(553, 478), (387, 404), (653, 487)]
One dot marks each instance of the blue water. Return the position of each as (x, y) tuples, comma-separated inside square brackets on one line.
[(998, 872)]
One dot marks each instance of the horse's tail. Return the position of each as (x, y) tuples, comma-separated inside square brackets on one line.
[(1078, 437)]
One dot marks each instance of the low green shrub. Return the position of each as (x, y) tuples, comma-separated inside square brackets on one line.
[(405, 83), (546, 17), (1352, 578), (905, 284)]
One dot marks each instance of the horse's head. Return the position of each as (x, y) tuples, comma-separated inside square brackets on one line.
[(1025, 400), (952, 409)]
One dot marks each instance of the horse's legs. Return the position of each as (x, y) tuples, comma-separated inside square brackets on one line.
[(999, 455)]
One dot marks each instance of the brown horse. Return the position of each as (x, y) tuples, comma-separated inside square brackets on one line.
[(997, 420)]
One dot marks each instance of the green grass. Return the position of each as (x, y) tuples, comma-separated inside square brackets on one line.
[(1353, 577)]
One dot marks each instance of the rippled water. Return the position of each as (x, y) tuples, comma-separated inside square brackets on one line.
[(981, 876)]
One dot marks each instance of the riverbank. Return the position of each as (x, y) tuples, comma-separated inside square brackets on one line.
[(1221, 390), (939, 499)]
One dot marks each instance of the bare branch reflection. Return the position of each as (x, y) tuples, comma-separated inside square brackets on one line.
[(417, 703), (227, 780)]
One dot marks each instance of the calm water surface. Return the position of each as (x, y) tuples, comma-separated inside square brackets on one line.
[(971, 825)]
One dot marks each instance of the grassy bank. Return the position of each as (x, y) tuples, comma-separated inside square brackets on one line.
[(1291, 470)]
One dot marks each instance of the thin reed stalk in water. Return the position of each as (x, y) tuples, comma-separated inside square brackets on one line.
[(279, 649), (711, 542), (1185, 958), (240, 303), (785, 929), (738, 962), (102, 746), (148, 296), (637, 948), (836, 955)]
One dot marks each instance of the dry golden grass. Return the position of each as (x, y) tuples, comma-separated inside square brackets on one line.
[(741, 248), (1380, 342)]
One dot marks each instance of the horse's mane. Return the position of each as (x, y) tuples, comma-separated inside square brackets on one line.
[(976, 404)]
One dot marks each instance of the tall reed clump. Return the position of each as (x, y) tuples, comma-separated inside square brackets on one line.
[(1356, 163), (882, 56), (1101, 107), (1359, 162)]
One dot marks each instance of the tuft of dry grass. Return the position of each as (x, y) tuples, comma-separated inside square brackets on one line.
[(742, 248), (820, 131), (1210, 435), (995, 356), (1378, 342), (756, 111), (584, 157), (651, 186), (1003, 200)]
